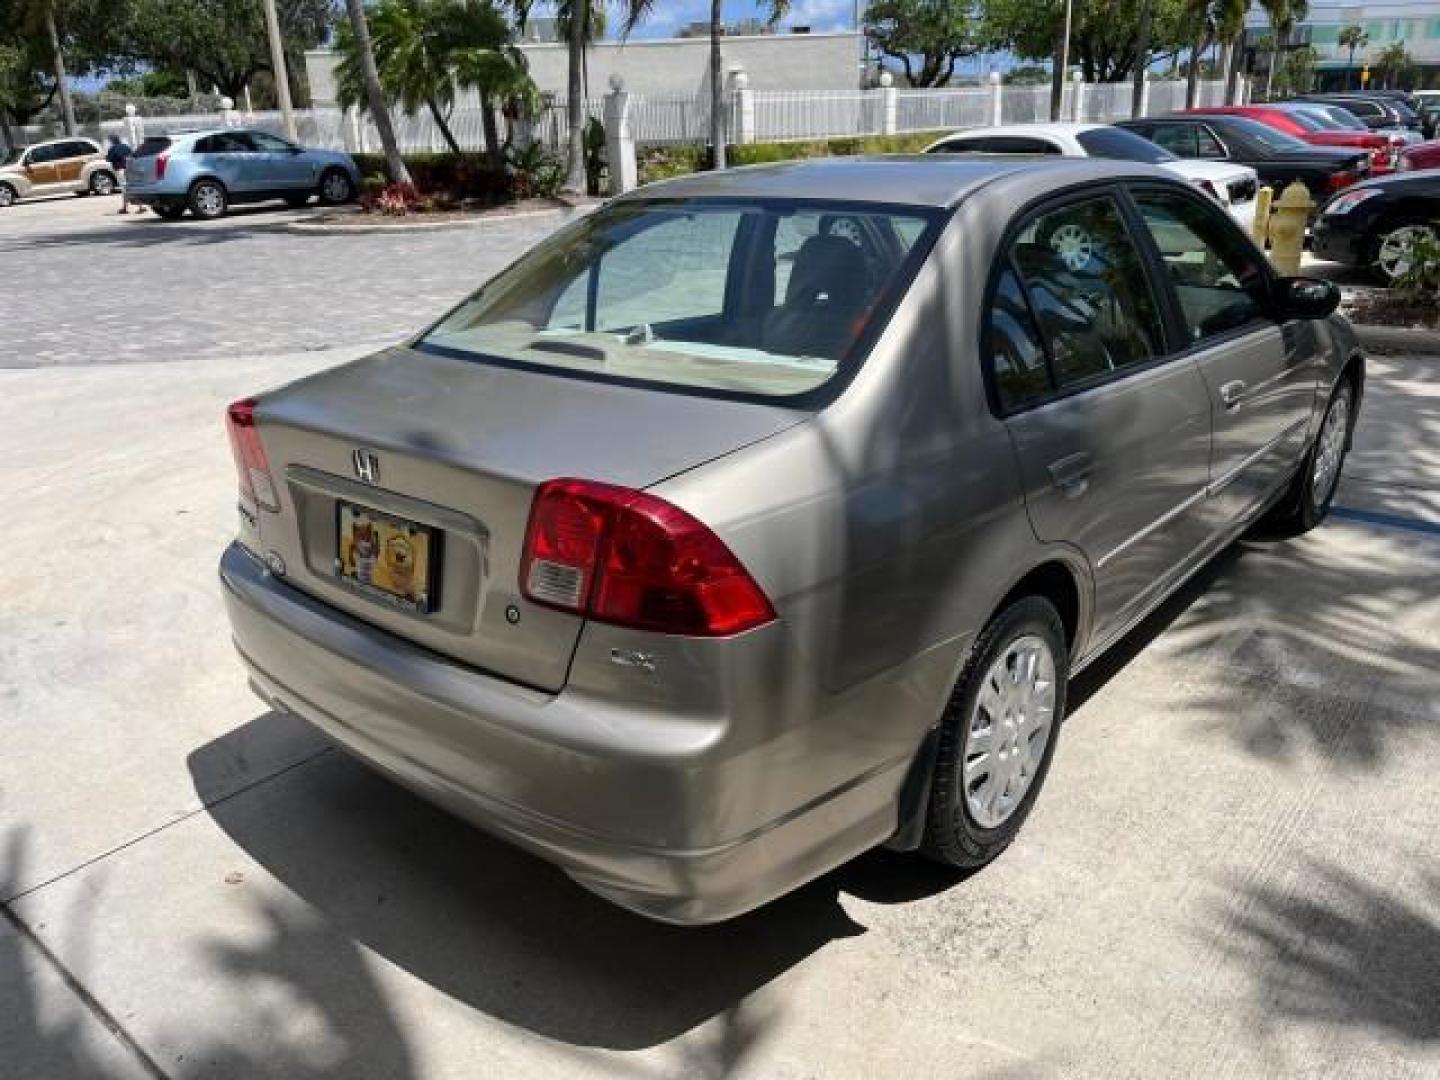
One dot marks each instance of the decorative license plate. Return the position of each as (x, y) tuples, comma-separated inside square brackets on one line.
[(387, 558)]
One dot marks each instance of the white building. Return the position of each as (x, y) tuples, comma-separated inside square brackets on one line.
[(1414, 23), (673, 66)]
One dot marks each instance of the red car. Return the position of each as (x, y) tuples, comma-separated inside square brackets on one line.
[(1424, 155), (1309, 129)]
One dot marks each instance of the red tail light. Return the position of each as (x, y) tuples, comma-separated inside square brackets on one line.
[(252, 468), (625, 557), (1338, 181), (160, 162)]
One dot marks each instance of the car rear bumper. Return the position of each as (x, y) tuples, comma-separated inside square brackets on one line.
[(492, 752)]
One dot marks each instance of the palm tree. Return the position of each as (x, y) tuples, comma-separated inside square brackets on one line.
[(1229, 19), (1392, 64), (579, 33), (43, 13), (1283, 16), (374, 96), (1352, 38), (1199, 15), (775, 11), (425, 49)]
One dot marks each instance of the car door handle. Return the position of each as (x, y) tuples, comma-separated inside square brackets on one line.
[(1071, 475), (1231, 393)]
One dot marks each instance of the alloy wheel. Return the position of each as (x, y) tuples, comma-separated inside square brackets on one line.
[(102, 183), (1396, 256), (1008, 731), (7, 195), (209, 200), (335, 188), (1074, 245)]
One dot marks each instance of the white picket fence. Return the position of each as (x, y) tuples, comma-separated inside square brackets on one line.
[(685, 119)]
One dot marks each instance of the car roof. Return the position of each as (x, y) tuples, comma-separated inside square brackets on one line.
[(1039, 128), (922, 180)]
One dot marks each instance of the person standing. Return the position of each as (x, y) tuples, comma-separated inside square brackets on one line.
[(134, 128), (117, 154)]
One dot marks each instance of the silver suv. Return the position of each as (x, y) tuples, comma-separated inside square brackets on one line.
[(763, 516)]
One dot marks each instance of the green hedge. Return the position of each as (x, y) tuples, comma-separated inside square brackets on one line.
[(662, 162)]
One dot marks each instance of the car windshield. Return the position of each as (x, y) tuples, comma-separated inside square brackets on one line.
[(1267, 137), (757, 298), (1122, 145)]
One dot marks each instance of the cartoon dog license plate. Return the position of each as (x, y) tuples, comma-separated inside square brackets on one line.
[(387, 558)]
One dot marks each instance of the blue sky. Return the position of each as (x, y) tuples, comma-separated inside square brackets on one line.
[(819, 15)]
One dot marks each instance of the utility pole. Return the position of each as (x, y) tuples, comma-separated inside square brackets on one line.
[(277, 67)]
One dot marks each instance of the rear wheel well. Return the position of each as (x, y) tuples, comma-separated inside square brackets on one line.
[(1052, 581)]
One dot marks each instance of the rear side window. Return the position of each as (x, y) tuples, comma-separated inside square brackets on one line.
[(1121, 145), (1206, 144), (962, 146), (228, 142), (1179, 139), (155, 144), (1217, 277), (1088, 290), (76, 149), (1015, 144)]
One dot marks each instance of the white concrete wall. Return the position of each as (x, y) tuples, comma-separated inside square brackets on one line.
[(814, 62)]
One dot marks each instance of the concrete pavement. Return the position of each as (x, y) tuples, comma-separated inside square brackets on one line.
[(1231, 871)]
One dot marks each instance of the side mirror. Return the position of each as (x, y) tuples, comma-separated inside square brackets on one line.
[(1305, 298)]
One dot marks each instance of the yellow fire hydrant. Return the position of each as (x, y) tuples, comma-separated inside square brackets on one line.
[(1287, 228)]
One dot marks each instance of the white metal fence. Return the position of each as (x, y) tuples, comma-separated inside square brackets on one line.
[(684, 119)]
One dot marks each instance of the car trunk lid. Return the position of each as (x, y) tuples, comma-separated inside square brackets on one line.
[(456, 448)]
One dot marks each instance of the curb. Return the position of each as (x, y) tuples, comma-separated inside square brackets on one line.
[(1398, 339), (402, 226)]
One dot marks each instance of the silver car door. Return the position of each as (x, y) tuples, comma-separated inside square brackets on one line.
[(1260, 376), (1113, 436)]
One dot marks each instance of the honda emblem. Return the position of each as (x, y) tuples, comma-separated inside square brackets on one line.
[(367, 465)]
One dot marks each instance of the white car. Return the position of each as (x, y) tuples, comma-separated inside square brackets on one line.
[(1234, 186)]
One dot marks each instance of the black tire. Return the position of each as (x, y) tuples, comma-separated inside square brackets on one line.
[(1303, 506), (169, 211), (8, 195), (952, 835), (330, 187), (208, 199), (1377, 241), (102, 182)]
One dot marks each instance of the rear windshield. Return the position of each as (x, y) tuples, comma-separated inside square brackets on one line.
[(152, 146), (768, 299), (1122, 145)]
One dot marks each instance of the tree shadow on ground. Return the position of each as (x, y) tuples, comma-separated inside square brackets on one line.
[(316, 1011), (495, 928), (1340, 951)]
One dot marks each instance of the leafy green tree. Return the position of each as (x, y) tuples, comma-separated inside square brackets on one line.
[(1353, 39), (1298, 75), (936, 33), (223, 41), (1104, 34), (425, 50), (578, 33)]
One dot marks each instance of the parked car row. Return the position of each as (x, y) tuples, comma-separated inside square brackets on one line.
[(204, 172)]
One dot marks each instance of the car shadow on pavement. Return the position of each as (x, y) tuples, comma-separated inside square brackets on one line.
[(493, 927), (144, 230)]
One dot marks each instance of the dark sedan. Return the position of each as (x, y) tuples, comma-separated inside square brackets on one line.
[(1278, 158), (1375, 225)]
